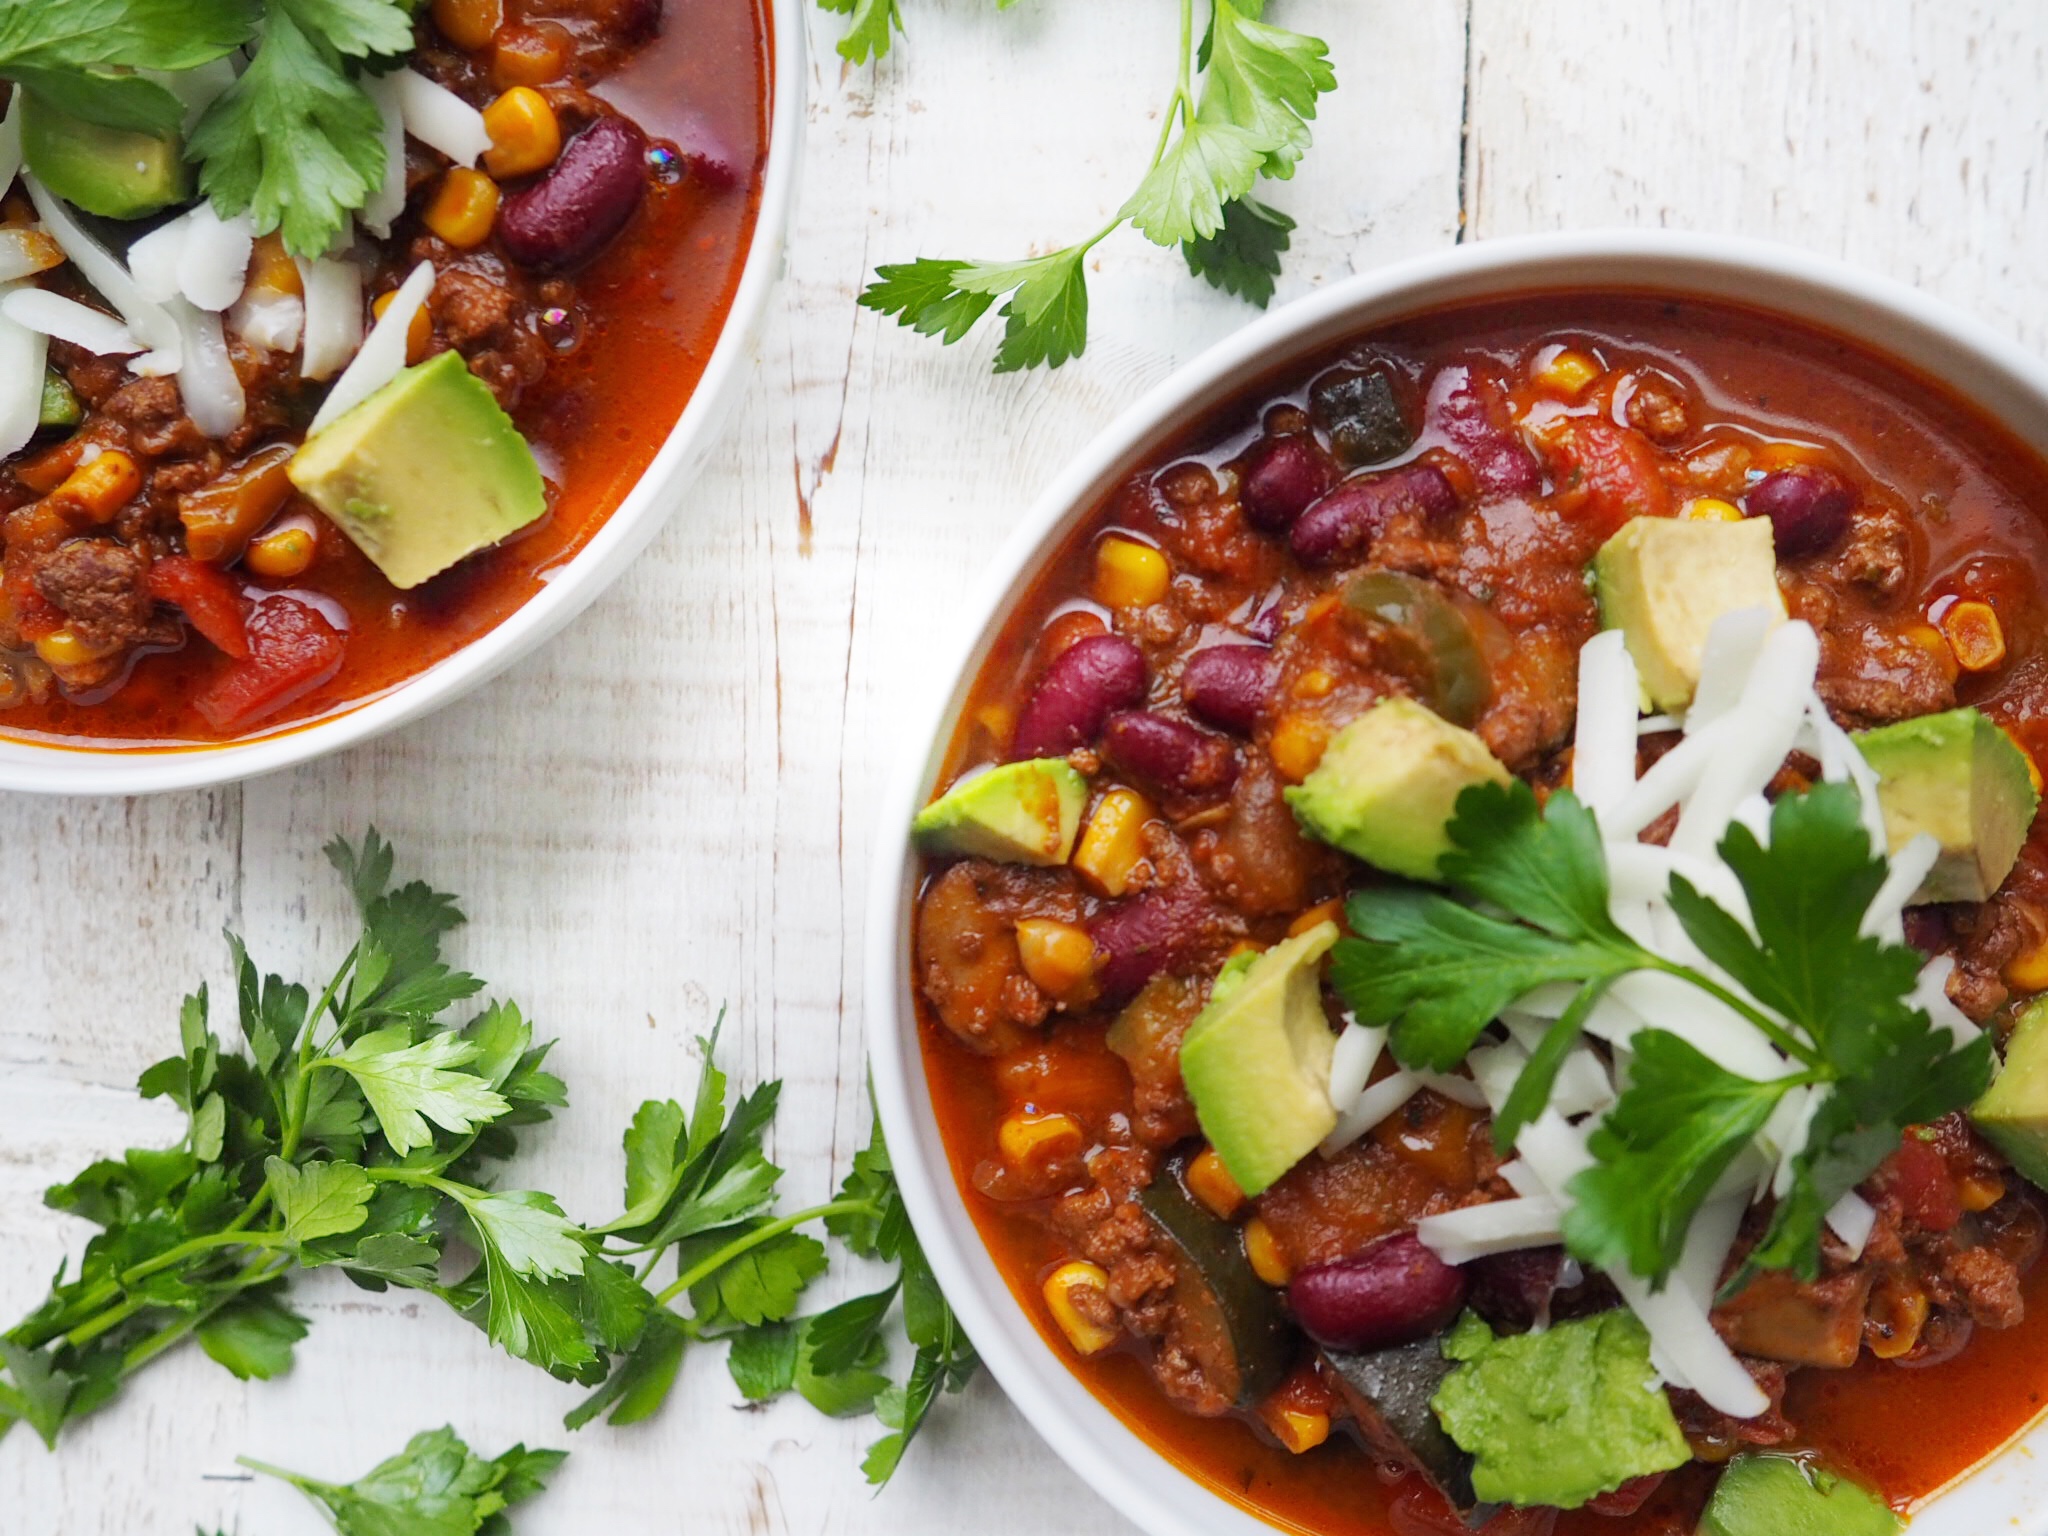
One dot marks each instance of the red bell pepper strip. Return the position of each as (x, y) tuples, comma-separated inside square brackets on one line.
[(212, 603)]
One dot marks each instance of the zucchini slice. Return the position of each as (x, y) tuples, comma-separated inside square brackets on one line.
[(1232, 1323)]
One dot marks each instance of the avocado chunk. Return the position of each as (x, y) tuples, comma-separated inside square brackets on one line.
[(1663, 581), (2013, 1113), (112, 172), (1958, 776), (1388, 783), (1558, 1417), (1018, 813), (1763, 1495), (60, 402), (424, 472), (1256, 1062)]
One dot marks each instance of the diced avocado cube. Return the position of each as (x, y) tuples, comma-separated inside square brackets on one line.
[(108, 171), (1256, 1062), (1018, 813), (60, 402), (1959, 777), (1388, 783), (1762, 1495), (1663, 581), (424, 472), (1561, 1416), (2013, 1113)]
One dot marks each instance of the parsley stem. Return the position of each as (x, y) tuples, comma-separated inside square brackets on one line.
[(294, 1113), (1769, 1027), (716, 1261)]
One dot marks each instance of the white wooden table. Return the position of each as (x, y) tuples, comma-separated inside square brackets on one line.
[(670, 806)]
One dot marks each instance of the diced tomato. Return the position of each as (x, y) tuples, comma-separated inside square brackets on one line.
[(1605, 474), (292, 651), (1918, 1174), (1629, 1497), (211, 601)]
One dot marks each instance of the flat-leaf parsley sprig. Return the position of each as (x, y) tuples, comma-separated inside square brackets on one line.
[(359, 1130), (1247, 118), (1834, 1001), (436, 1486)]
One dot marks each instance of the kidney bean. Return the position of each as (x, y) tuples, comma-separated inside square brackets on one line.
[(1339, 528), (1227, 685), (1177, 758), (1473, 421), (1808, 506), (1138, 938), (1391, 1293), (1513, 1290), (1281, 478), (1090, 680), (581, 202)]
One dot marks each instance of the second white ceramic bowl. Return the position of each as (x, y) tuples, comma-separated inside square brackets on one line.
[(57, 770), (2010, 1493)]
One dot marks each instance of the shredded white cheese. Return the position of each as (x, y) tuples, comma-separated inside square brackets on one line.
[(334, 315), (382, 355), (387, 199), (150, 323), (439, 118), (22, 356), (52, 314)]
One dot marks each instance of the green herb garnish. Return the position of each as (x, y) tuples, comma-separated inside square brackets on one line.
[(436, 1486), (1248, 119), (1832, 1000), (295, 141), (358, 1130)]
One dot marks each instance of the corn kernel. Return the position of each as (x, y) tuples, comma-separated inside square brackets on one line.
[(1566, 373), (469, 24), (1299, 1429), (1712, 509), (1331, 911), (2028, 970), (282, 554), (1028, 1138), (1935, 644), (525, 134), (2033, 768), (1246, 947), (529, 55), (1980, 1191), (1086, 1335), (1113, 842), (1129, 574), (1899, 1314), (1210, 1182), (1298, 745), (1263, 1249), (464, 208), (271, 268), (102, 486), (1974, 634), (1314, 684), (63, 648), (998, 720), (1059, 958), (419, 331)]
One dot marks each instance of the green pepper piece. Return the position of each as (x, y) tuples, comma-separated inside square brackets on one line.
[(1457, 683), (60, 401)]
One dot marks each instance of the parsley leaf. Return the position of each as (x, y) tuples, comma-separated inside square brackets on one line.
[(358, 28), (1260, 86), (319, 1199), (294, 141), (1243, 256), (253, 1336), (76, 54), (408, 1084), (436, 1486)]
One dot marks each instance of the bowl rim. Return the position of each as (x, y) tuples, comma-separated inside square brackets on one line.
[(1140, 1481), (44, 767)]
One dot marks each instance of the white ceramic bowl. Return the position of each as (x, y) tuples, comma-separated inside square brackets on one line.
[(46, 769), (2010, 1493)]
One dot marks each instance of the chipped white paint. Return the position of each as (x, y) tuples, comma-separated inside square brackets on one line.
[(668, 807)]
